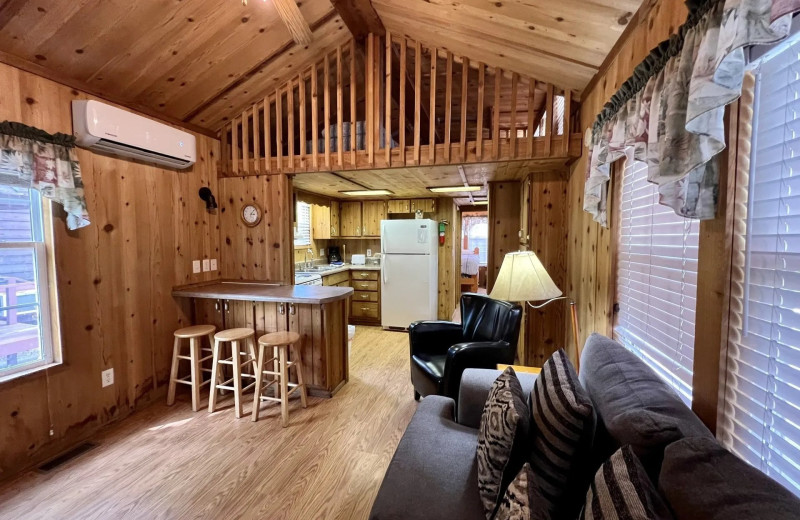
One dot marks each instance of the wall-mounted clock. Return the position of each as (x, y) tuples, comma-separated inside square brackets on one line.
[(251, 214)]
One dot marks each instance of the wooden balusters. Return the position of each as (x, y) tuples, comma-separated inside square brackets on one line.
[(464, 98), (549, 110), (339, 109), (481, 93), (301, 96), (513, 125), (432, 113), (448, 102), (531, 115), (314, 118), (387, 126), (353, 120), (417, 98), (401, 112), (326, 70)]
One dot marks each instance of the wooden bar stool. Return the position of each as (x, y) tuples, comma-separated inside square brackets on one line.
[(235, 337), (194, 334), (280, 342)]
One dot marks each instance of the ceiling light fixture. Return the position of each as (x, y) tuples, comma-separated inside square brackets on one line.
[(455, 189), (366, 193), (481, 203)]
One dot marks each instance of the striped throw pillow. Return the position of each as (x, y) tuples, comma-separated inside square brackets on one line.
[(622, 489), (502, 439), (523, 500), (562, 432)]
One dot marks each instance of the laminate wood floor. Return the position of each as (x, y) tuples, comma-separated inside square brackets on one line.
[(169, 462)]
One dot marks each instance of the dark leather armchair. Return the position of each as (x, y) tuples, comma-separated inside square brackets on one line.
[(442, 350)]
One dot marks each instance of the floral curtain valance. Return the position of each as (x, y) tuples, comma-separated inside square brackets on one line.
[(670, 113), (32, 158)]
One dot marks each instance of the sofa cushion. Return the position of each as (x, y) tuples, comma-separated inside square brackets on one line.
[(622, 489), (502, 439), (701, 479), (563, 427), (523, 499), (433, 473), (634, 405)]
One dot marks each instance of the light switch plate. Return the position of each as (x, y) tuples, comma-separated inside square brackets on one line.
[(206, 265), (321, 251), (195, 266), (213, 264), (369, 252), (107, 377)]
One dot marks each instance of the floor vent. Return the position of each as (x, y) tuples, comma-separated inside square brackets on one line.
[(66, 457)]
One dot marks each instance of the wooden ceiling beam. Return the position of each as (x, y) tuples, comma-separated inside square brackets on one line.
[(360, 18), (294, 21)]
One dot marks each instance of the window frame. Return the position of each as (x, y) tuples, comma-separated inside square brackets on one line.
[(297, 245), (49, 325)]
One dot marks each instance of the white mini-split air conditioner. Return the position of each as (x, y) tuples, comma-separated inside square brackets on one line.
[(109, 129)]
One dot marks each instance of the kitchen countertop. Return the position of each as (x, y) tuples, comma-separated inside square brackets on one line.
[(263, 292), (342, 269)]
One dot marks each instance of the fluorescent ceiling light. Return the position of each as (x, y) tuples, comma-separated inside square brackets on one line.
[(455, 189), (366, 193), (481, 203)]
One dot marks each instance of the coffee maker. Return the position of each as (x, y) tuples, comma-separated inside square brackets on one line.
[(333, 255)]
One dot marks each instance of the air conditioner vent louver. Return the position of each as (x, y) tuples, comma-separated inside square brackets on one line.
[(134, 136)]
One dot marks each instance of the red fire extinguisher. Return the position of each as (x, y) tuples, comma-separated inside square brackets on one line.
[(442, 224)]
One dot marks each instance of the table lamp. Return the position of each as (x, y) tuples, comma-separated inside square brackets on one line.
[(523, 278)]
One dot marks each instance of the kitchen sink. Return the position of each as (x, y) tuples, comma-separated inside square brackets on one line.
[(319, 268)]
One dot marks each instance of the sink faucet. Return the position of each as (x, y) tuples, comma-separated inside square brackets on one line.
[(344, 253), (311, 252)]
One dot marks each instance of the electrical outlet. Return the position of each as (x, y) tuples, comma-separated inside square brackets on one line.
[(107, 377), (321, 252), (195, 266), (369, 252), (206, 265), (213, 264)]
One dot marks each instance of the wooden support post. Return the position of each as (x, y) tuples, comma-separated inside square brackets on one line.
[(498, 82), (417, 97), (339, 109), (326, 70), (481, 92), (448, 106), (432, 132), (513, 129), (314, 118), (401, 113), (531, 113), (387, 126), (464, 97)]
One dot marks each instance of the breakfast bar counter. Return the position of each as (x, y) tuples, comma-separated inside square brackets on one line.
[(318, 314)]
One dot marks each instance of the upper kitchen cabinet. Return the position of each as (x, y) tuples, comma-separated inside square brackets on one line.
[(373, 211), (399, 206), (424, 205), (335, 226), (321, 227), (350, 219)]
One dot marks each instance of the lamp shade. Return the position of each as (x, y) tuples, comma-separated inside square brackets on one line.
[(523, 278)]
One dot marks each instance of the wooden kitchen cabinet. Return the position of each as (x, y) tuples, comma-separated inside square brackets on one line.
[(399, 206), (426, 205), (350, 219), (372, 211), (321, 222), (335, 230), (365, 306)]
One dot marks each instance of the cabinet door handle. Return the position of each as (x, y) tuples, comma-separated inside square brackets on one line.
[(291, 309), (281, 309), (364, 275)]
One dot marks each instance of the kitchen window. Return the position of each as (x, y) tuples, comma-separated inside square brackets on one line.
[(26, 338), (302, 230), (656, 279)]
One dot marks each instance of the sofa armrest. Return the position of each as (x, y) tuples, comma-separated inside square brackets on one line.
[(437, 406), (475, 386)]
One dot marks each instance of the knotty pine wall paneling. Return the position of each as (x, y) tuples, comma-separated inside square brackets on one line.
[(449, 257), (265, 251), (114, 282), (504, 220)]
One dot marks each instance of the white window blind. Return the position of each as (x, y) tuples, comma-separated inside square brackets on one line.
[(302, 232), (760, 415), (656, 280)]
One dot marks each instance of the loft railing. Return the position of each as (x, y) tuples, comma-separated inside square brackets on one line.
[(393, 102)]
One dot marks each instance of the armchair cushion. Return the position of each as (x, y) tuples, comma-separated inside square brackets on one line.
[(502, 439)]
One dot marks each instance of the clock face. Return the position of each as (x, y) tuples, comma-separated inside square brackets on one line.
[(251, 214)]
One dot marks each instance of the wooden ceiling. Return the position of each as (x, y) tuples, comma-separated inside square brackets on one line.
[(199, 62), (413, 182), (563, 42)]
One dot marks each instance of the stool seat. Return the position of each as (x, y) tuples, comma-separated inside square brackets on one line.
[(274, 339), (234, 334), (195, 331)]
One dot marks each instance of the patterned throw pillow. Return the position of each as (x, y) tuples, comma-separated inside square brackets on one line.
[(563, 428), (523, 500), (622, 489), (502, 439)]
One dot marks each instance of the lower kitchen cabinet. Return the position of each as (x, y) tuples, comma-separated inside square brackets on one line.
[(365, 305)]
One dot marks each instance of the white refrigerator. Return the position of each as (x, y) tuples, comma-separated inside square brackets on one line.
[(410, 272)]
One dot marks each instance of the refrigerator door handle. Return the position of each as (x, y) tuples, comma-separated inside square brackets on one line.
[(383, 270)]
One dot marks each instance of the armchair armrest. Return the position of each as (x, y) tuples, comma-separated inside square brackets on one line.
[(433, 337), (483, 354)]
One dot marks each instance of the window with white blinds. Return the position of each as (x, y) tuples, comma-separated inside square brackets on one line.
[(760, 414), (656, 281), (302, 230)]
